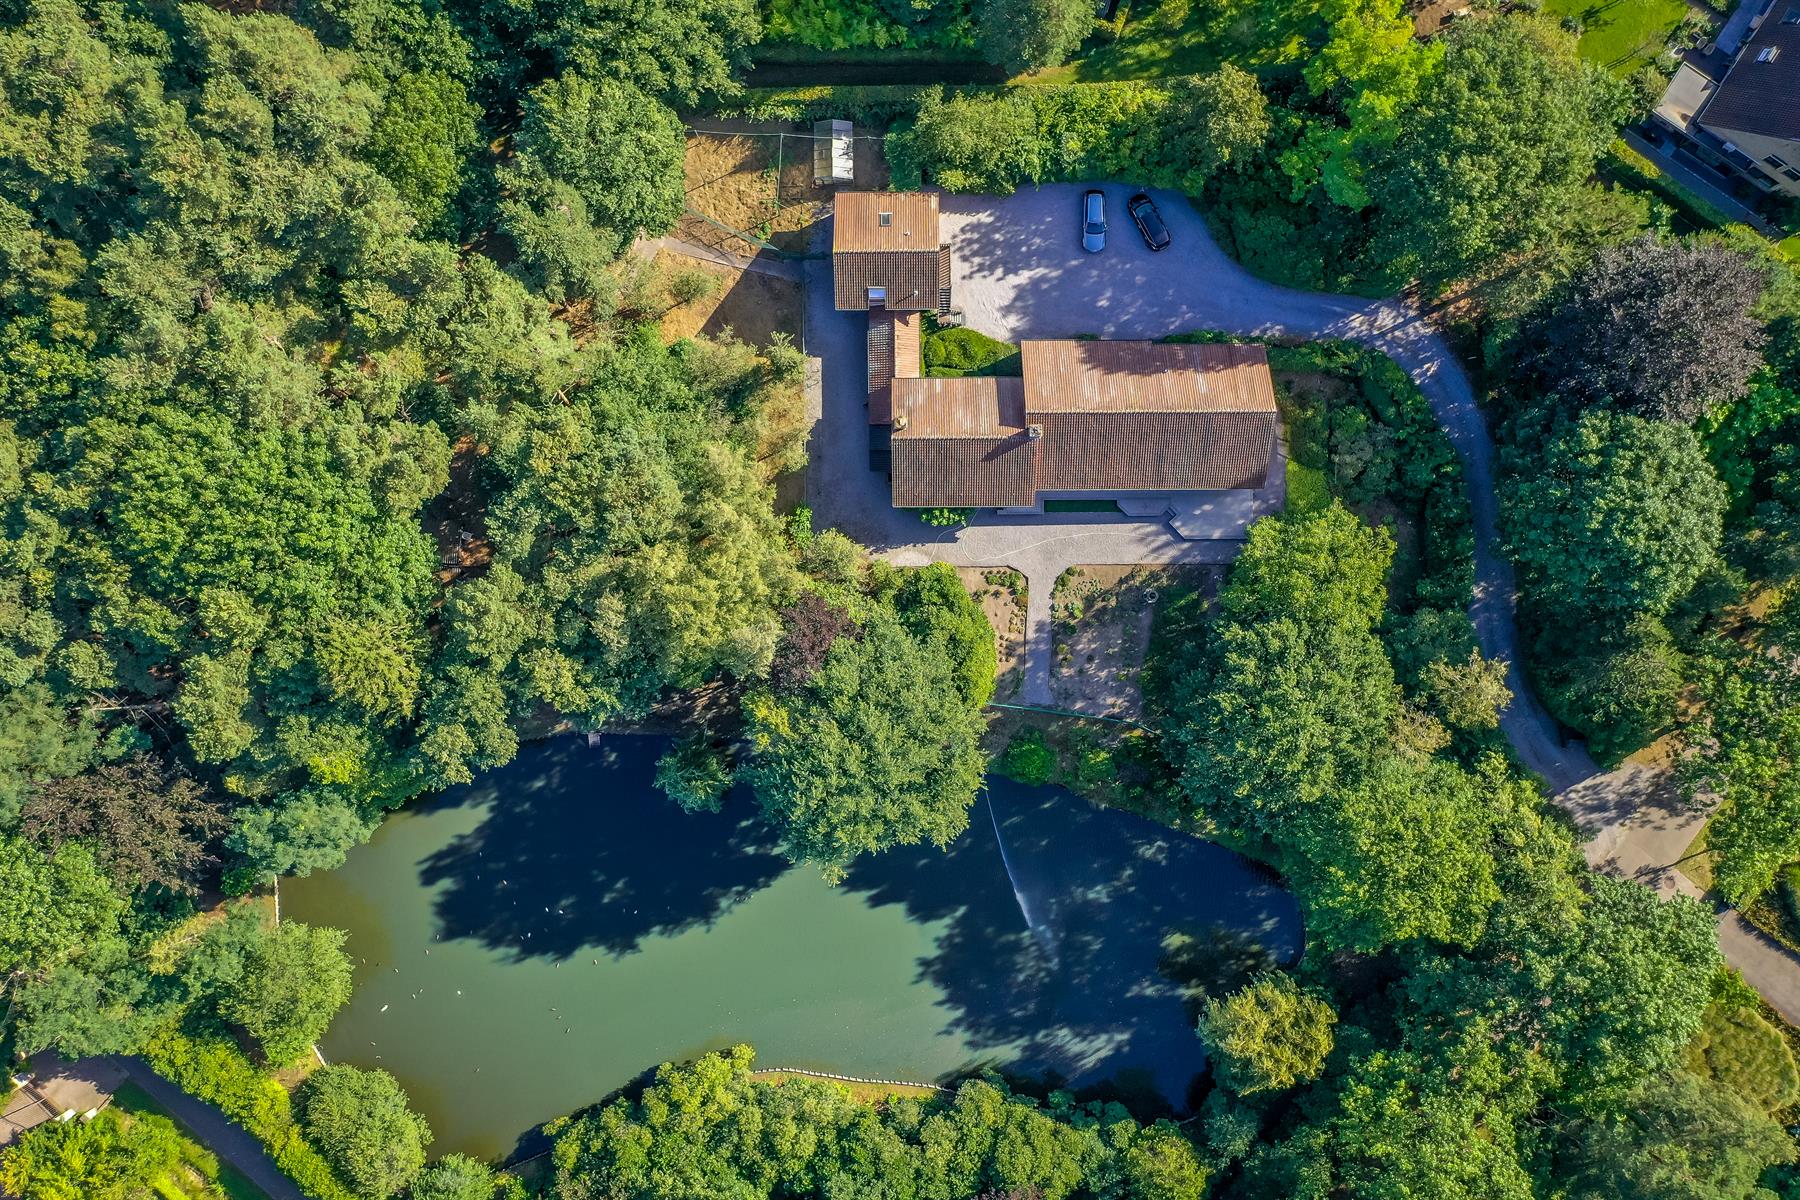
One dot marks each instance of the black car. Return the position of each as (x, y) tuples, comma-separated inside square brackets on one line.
[(1149, 222)]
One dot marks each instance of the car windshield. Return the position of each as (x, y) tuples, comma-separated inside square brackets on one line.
[(1094, 225)]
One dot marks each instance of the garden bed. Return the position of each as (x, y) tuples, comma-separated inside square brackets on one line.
[(1100, 631), (1002, 593)]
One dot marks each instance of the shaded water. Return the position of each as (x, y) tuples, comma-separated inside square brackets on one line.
[(534, 941)]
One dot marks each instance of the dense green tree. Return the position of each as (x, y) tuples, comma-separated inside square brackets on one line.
[(1400, 852), (694, 773), (111, 1157), (1489, 163), (103, 1001), (675, 50), (1621, 690), (1292, 694), (422, 141), (1442, 1121), (879, 748), (1674, 1138), (50, 907), (707, 1129), (969, 144), (1022, 35), (360, 1122), (1212, 121), (1745, 742), (935, 607), (294, 980), (1469, 695), (1268, 1035), (605, 144), (1602, 992), (1620, 516), (144, 823), (1660, 329), (455, 1177)]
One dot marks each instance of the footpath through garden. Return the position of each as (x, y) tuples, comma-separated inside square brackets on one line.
[(1019, 272)]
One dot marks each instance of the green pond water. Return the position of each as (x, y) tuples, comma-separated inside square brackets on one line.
[(527, 945)]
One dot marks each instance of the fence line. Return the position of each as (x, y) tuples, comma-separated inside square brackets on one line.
[(869, 137), (1068, 712)]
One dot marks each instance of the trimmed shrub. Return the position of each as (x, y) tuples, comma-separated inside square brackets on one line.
[(1027, 759)]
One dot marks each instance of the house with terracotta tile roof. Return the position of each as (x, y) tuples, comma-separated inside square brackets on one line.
[(1084, 418)]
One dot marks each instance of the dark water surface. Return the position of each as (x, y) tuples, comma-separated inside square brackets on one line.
[(527, 944)]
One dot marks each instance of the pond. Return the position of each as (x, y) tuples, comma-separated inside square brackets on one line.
[(528, 944)]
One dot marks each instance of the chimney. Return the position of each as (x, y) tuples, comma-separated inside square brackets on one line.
[(1034, 432), (899, 422)]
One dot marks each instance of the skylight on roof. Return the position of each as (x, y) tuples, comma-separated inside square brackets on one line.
[(886, 218), (1792, 15), (1768, 53)]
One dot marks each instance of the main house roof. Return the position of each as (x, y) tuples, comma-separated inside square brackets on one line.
[(887, 240), (1086, 416), (1761, 93)]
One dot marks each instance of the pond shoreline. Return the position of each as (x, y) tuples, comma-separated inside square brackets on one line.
[(564, 928)]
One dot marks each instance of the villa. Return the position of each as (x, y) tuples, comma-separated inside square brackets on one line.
[(1085, 419)]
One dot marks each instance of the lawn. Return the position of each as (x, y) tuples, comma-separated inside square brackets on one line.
[(1621, 35), (202, 1176), (1186, 37)]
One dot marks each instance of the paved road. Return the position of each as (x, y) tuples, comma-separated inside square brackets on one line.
[(213, 1129), (1019, 272)]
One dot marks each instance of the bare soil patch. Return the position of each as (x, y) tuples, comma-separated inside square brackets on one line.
[(759, 182), (1101, 620), (1001, 593), (749, 304)]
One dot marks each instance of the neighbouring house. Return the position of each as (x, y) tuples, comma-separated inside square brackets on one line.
[(1087, 419), (1738, 110)]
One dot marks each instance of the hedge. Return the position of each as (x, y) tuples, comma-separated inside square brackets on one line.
[(866, 104), (210, 1065)]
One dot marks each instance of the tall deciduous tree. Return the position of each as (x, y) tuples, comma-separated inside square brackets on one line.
[(1267, 1035), (145, 823), (1212, 121), (1022, 35), (294, 980), (108, 1158), (1674, 1138), (879, 748), (1488, 164), (1293, 694), (607, 146), (1661, 329), (1620, 518), (360, 1122)]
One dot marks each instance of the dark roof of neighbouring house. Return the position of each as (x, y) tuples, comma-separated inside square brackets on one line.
[(904, 256), (1110, 416), (1763, 97)]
